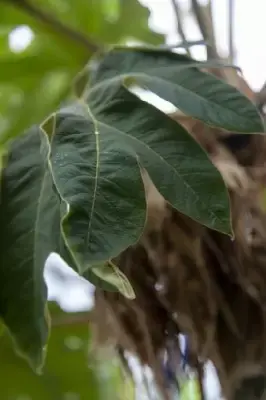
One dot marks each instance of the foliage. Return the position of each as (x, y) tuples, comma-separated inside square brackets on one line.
[(35, 81), (68, 353), (72, 183)]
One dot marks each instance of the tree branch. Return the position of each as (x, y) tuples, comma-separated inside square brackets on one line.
[(231, 31), (55, 24), (179, 23), (205, 27)]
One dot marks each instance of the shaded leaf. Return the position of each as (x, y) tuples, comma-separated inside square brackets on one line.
[(29, 215), (174, 78), (91, 18), (101, 185), (177, 165)]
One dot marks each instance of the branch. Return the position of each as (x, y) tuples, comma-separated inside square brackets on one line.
[(231, 31), (55, 24), (261, 98), (179, 23), (205, 26)]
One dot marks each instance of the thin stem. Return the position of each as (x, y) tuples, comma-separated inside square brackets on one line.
[(205, 29), (180, 25), (55, 24), (231, 5), (261, 98)]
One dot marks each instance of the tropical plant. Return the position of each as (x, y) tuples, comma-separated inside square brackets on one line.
[(75, 140)]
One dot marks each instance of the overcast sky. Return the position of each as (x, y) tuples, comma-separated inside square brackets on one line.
[(249, 31)]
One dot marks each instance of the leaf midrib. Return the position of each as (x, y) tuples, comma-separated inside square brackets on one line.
[(97, 145)]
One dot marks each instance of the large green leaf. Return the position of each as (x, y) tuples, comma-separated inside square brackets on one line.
[(39, 78), (36, 81), (94, 18), (97, 174), (26, 106), (29, 220), (71, 371), (66, 373), (175, 78), (177, 165)]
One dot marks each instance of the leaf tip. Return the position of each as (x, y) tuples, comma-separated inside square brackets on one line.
[(48, 125)]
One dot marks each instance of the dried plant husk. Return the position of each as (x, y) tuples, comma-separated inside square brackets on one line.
[(192, 280)]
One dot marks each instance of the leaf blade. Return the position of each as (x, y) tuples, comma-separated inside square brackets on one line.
[(81, 172), (27, 242), (185, 176), (175, 78)]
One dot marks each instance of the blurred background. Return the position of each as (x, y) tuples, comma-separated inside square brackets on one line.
[(236, 29)]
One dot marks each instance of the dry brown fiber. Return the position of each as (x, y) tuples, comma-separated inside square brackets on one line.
[(190, 279)]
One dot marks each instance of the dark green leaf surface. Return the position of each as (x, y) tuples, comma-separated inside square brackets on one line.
[(177, 165), (29, 220), (172, 77), (97, 174)]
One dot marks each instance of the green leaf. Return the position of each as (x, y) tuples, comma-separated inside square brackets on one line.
[(91, 18), (111, 274), (29, 218), (30, 101), (174, 78), (66, 373), (177, 165), (97, 174), (190, 390), (39, 77), (111, 9)]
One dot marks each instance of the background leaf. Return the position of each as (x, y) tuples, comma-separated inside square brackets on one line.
[(39, 77), (67, 354), (70, 370)]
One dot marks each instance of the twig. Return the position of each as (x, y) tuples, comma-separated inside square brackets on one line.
[(231, 5), (261, 98), (206, 29), (179, 24), (55, 24)]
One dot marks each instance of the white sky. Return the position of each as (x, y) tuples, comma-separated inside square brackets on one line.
[(249, 32)]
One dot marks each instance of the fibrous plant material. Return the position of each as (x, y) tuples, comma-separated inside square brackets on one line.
[(192, 280)]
